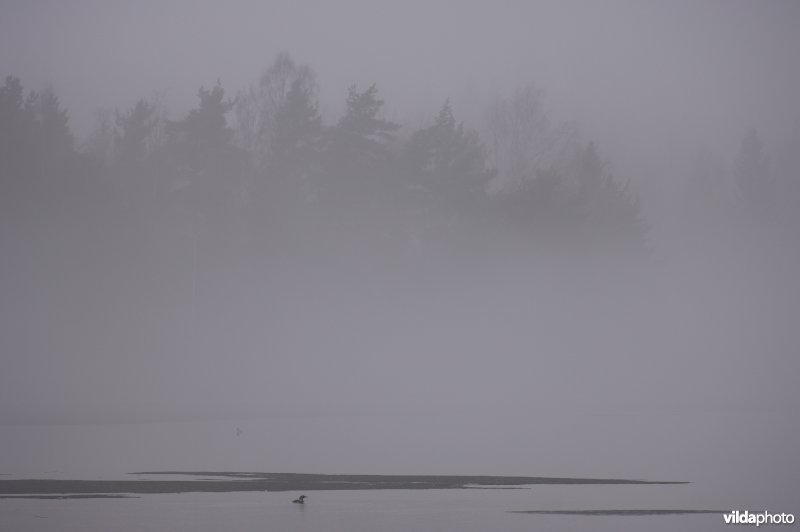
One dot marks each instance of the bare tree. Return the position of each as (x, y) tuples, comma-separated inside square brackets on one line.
[(257, 107), (523, 138)]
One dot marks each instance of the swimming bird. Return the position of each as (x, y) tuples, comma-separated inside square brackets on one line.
[(300, 500)]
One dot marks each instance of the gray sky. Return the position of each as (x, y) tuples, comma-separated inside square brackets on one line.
[(643, 78)]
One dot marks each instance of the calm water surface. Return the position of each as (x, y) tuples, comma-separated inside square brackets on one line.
[(732, 461), (363, 511)]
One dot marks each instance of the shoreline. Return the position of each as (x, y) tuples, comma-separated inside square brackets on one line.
[(243, 481)]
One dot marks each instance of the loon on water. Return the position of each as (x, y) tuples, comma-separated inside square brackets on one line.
[(300, 500)]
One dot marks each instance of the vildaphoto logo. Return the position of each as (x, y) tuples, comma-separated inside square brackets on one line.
[(761, 518)]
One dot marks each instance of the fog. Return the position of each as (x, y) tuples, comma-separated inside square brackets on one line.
[(552, 238)]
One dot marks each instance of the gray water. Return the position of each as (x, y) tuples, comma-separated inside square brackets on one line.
[(726, 471), (367, 511)]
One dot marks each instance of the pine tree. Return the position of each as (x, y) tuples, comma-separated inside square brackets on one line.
[(298, 126), (360, 138), (448, 158), (54, 137), (611, 214), (17, 127), (199, 153), (204, 133), (133, 130)]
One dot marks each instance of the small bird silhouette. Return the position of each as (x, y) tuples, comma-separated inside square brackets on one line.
[(300, 500)]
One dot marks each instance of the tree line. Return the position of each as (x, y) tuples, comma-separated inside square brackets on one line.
[(262, 175)]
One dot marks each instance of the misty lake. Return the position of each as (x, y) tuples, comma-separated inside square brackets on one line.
[(709, 456), (548, 244), (367, 511)]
